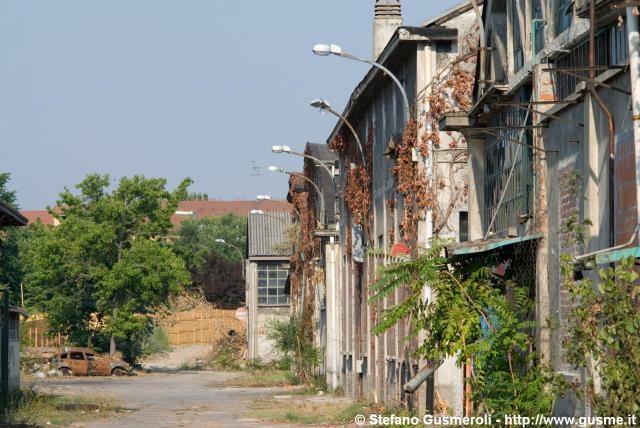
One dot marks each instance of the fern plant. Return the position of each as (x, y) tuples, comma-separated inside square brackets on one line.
[(480, 319)]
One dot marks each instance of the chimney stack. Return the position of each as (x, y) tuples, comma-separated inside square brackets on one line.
[(388, 17)]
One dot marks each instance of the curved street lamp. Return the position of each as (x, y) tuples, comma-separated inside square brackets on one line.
[(287, 149), (304, 177), (260, 212), (323, 104), (331, 49), (222, 241), (269, 198)]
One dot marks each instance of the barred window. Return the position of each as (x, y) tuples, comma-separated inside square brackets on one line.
[(272, 277)]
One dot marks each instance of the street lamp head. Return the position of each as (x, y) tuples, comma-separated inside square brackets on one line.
[(274, 168), (322, 49), (220, 241), (281, 149), (321, 104), (256, 212)]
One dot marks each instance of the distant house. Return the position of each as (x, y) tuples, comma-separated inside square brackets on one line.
[(267, 269), (11, 217), (43, 216), (215, 208)]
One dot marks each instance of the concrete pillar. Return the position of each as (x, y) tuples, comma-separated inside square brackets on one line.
[(388, 17)]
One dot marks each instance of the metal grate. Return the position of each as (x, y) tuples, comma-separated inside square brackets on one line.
[(610, 49), (499, 156)]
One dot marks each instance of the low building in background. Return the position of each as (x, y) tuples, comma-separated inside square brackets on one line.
[(267, 270)]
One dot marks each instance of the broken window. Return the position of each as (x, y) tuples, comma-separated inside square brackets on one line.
[(76, 356)]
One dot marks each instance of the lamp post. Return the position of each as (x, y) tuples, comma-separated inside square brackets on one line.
[(222, 241), (284, 171), (323, 104), (331, 49), (260, 212), (287, 149), (269, 198)]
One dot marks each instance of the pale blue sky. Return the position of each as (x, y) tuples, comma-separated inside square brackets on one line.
[(173, 88)]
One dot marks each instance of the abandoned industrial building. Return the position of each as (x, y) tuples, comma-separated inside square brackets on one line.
[(511, 101)]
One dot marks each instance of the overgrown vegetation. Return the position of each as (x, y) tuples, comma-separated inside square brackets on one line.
[(302, 412), (603, 326), (292, 340), (156, 343), (29, 407), (483, 320)]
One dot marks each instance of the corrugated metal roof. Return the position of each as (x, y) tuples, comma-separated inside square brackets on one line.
[(265, 231)]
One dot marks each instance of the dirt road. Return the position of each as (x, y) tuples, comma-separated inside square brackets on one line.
[(181, 399)]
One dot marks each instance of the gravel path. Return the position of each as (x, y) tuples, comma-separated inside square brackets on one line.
[(183, 399), (179, 356)]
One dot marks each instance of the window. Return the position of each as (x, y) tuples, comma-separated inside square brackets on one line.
[(500, 156), (463, 226), (564, 15), (77, 356), (537, 14), (518, 52), (63, 356), (272, 277), (610, 49)]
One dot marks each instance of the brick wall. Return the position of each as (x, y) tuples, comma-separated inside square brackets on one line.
[(568, 207)]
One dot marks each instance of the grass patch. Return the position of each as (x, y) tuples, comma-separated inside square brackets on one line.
[(31, 408), (305, 412), (264, 378)]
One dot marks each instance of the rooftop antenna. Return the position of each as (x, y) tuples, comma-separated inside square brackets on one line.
[(256, 169)]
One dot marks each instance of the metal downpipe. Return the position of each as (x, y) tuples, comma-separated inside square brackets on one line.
[(594, 93)]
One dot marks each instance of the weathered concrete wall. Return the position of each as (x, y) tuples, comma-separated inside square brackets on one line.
[(259, 316)]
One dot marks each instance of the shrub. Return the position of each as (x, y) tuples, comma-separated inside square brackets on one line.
[(156, 343)]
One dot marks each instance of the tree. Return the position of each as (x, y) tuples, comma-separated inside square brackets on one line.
[(11, 240), (219, 279), (196, 238), (106, 267), (216, 268)]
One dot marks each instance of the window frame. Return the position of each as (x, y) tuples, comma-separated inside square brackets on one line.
[(270, 284)]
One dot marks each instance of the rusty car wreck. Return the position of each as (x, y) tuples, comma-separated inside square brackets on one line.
[(87, 362)]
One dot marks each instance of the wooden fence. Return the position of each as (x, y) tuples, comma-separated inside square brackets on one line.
[(38, 332), (203, 326)]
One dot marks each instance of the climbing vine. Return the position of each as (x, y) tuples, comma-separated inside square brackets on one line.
[(411, 183), (437, 182), (357, 191)]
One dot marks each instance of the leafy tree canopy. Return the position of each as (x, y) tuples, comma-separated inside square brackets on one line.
[(219, 279), (197, 238), (11, 239), (106, 267), (216, 267)]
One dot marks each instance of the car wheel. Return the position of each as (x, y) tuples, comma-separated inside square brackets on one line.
[(117, 371), (66, 371)]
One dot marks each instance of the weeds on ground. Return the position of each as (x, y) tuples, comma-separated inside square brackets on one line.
[(263, 378), (304, 412), (29, 407), (157, 342)]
